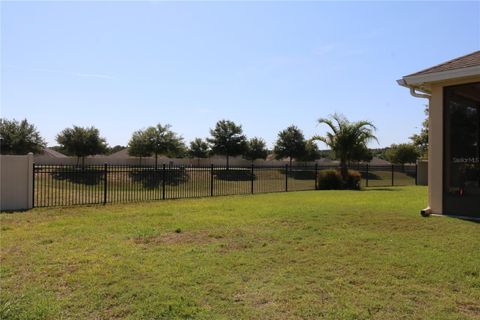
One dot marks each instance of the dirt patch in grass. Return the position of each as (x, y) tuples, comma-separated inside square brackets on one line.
[(469, 309), (197, 237)]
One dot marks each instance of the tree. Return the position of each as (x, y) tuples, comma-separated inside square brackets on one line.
[(81, 142), (312, 152), (290, 143), (256, 149), (421, 140), (362, 153), (138, 145), (346, 138), (156, 140), (20, 137), (402, 153), (198, 149), (227, 139)]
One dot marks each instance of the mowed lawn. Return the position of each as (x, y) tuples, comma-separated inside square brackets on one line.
[(298, 255)]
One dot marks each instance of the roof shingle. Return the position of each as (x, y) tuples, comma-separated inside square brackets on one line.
[(469, 60)]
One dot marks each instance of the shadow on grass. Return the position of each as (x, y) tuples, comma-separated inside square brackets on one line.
[(394, 188), (88, 177), (151, 179), (465, 218), (371, 176), (234, 175), (299, 174)]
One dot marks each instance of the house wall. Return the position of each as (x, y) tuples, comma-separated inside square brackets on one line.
[(16, 186), (435, 136)]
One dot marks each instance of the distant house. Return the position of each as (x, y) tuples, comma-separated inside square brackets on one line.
[(48, 154), (376, 161), (119, 154)]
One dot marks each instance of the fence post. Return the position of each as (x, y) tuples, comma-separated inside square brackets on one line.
[(286, 178), (164, 176), (33, 185), (393, 171), (253, 176), (366, 180), (416, 174), (211, 180), (105, 169), (316, 175)]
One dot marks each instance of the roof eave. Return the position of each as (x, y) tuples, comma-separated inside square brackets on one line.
[(423, 80)]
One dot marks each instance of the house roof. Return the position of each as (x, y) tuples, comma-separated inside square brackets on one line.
[(376, 161), (120, 154), (468, 60), (52, 153), (466, 66)]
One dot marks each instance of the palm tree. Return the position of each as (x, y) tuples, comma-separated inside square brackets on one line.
[(346, 137)]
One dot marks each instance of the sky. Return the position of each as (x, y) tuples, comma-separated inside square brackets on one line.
[(124, 66)]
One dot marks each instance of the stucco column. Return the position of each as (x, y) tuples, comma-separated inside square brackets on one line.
[(435, 150)]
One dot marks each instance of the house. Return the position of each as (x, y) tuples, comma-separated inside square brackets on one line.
[(376, 161), (48, 155), (120, 154), (453, 91)]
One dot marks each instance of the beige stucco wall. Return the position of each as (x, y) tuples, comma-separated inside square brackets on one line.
[(435, 136), (16, 189)]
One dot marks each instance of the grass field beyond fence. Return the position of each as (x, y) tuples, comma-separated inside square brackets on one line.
[(298, 255)]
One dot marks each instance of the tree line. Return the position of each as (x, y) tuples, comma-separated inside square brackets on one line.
[(347, 142)]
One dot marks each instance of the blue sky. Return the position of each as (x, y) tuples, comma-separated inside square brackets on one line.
[(122, 66)]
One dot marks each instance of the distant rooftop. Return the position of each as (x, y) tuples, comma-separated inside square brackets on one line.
[(52, 153)]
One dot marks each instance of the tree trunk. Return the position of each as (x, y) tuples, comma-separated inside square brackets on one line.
[(228, 162), (290, 161), (156, 160)]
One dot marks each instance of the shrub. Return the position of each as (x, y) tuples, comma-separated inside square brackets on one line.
[(332, 180), (329, 180), (353, 180)]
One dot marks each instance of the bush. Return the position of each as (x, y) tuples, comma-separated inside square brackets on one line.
[(353, 180), (329, 180), (332, 180)]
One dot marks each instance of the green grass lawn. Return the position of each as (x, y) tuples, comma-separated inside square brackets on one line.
[(299, 255)]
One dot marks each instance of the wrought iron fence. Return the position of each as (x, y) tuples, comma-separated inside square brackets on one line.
[(67, 185)]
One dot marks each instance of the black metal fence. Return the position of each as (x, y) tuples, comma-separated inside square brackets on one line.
[(67, 185)]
